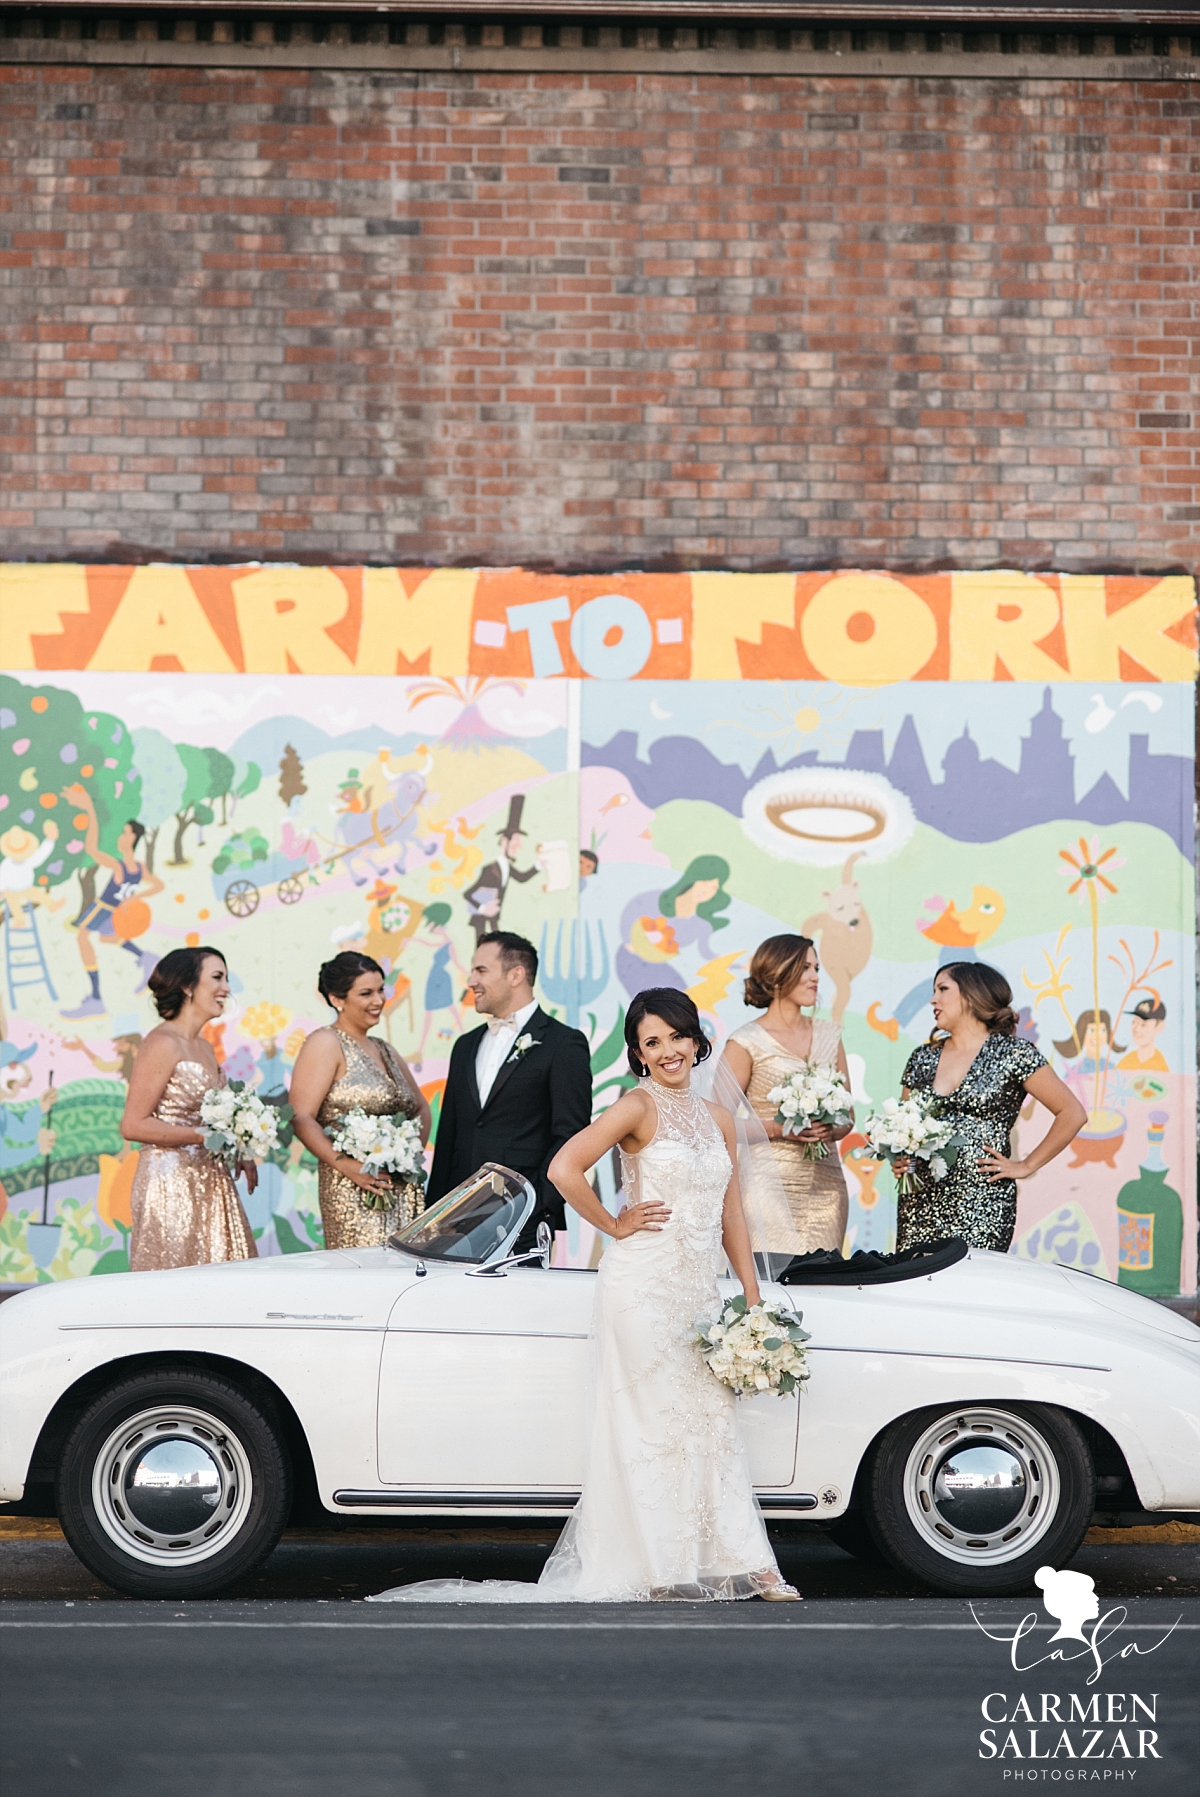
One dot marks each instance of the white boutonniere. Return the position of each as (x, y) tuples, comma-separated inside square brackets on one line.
[(522, 1046)]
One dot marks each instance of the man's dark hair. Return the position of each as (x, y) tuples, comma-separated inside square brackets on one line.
[(139, 829), (592, 856), (514, 951)]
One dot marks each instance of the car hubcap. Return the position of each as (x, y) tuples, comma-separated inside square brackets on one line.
[(981, 1485), (171, 1486)]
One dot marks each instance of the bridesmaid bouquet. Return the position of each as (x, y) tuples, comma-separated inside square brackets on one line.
[(755, 1348), (240, 1126), (813, 1094), (383, 1145), (913, 1130)]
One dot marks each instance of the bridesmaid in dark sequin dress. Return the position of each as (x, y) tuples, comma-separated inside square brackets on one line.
[(981, 1070), (342, 1069)]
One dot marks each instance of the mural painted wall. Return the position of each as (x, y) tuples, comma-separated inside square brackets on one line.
[(911, 771)]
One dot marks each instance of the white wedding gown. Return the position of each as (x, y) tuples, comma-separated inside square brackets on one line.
[(668, 1509)]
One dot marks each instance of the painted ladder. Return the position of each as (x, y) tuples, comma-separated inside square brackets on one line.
[(24, 961)]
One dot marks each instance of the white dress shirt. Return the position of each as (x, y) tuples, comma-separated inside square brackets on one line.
[(497, 1045)]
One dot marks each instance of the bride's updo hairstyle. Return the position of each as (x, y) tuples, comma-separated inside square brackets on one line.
[(676, 1010), (986, 994), (174, 978), (775, 967), (337, 976)]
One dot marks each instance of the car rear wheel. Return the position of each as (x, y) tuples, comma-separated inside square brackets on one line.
[(974, 1499), (853, 1535), (174, 1484)]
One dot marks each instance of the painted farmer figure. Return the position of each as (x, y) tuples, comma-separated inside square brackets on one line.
[(519, 1086), (486, 897)]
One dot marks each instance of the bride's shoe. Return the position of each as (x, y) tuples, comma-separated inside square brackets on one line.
[(780, 1594)]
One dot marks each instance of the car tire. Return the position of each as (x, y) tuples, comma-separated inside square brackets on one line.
[(972, 1500), (853, 1535), (174, 1483)]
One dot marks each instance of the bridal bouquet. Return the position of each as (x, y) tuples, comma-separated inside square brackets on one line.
[(813, 1094), (240, 1127), (913, 1130), (383, 1145), (755, 1348)]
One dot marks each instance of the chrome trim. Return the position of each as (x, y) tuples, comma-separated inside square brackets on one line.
[(520, 1500), (273, 1328), (1077, 1366), (558, 1335), (1073, 1366), (458, 1500)]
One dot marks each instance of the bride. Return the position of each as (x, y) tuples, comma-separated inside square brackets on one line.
[(668, 1509)]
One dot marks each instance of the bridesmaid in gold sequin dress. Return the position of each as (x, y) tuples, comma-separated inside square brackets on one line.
[(342, 1069), (186, 1210), (783, 978)]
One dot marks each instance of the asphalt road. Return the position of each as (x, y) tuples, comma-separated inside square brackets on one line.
[(293, 1685)]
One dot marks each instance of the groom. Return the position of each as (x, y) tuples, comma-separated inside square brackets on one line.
[(518, 1087)]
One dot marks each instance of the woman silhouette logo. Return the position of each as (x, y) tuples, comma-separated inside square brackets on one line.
[(1070, 1597)]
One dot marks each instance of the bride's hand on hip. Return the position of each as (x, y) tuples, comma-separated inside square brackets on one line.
[(652, 1216)]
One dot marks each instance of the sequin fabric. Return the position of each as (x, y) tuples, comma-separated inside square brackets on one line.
[(815, 1190), (347, 1221), (668, 1507), (185, 1207), (984, 1110)]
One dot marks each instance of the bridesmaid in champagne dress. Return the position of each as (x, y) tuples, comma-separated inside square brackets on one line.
[(342, 1069), (783, 978), (186, 1211)]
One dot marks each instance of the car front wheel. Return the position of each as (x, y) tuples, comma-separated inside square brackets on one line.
[(174, 1484), (972, 1500)]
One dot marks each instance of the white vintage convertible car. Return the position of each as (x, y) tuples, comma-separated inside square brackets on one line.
[(966, 1413)]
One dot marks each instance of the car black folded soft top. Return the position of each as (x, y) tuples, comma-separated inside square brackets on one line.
[(826, 1268)]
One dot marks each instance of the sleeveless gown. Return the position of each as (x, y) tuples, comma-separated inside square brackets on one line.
[(668, 1508), (815, 1190), (347, 1221), (185, 1207)]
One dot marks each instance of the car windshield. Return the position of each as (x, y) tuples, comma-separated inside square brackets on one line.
[(474, 1222)]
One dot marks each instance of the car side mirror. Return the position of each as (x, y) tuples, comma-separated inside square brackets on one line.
[(545, 1242)]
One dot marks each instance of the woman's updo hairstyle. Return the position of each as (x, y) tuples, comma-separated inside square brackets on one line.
[(174, 978), (676, 1010), (775, 967), (986, 994), (337, 976)]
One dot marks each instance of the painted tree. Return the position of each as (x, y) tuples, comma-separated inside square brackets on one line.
[(247, 778), (220, 783), (49, 742), (163, 780), (193, 804), (291, 775)]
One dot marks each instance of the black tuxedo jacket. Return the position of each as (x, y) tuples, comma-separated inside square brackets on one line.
[(537, 1102)]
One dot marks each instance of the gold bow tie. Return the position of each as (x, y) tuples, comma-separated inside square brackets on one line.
[(496, 1024)]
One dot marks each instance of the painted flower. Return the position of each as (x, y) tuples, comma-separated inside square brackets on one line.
[(1086, 867), (265, 1021)]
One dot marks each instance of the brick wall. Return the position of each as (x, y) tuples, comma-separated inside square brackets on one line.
[(585, 320)]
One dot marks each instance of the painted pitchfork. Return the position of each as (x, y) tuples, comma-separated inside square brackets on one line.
[(564, 981)]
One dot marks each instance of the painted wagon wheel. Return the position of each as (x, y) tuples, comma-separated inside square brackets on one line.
[(242, 898), (291, 890)]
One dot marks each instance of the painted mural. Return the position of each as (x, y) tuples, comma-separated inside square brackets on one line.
[(644, 774)]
